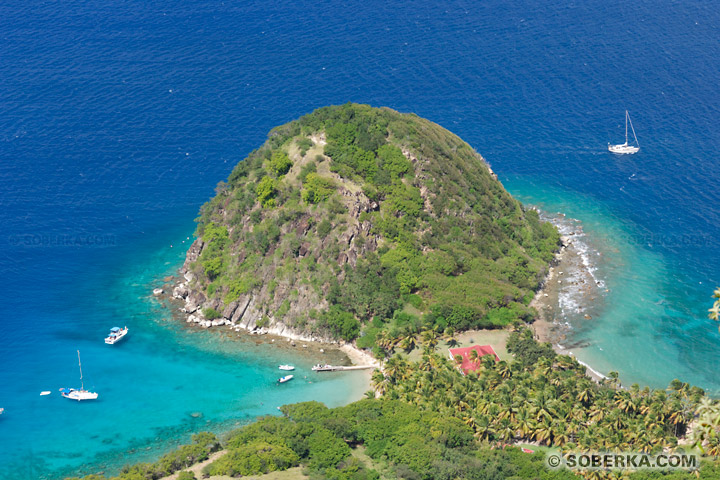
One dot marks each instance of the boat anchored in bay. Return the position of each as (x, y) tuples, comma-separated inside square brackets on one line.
[(626, 148), (81, 394), (116, 334), (286, 378)]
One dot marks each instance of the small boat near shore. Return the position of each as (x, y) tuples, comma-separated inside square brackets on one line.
[(116, 334), (286, 367), (286, 378), (81, 393), (322, 368)]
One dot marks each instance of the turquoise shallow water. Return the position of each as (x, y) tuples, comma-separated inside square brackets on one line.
[(159, 385), (636, 328)]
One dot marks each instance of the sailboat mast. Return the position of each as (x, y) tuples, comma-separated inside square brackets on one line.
[(627, 115), (82, 386)]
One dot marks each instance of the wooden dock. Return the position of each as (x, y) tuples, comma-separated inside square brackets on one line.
[(340, 368)]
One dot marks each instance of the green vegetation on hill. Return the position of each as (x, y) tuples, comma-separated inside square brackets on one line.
[(350, 213)]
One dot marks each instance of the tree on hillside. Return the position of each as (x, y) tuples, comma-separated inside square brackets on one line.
[(714, 312)]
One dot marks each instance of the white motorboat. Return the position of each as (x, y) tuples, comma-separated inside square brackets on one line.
[(286, 378), (626, 148), (116, 334), (81, 393), (286, 367)]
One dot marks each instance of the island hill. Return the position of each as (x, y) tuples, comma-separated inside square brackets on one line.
[(360, 223), (364, 224)]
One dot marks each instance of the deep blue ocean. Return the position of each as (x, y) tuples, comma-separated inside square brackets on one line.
[(118, 118)]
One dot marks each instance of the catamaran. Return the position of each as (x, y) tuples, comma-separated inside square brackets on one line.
[(81, 394), (116, 334), (626, 148)]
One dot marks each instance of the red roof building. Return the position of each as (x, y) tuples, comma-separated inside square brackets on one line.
[(470, 366)]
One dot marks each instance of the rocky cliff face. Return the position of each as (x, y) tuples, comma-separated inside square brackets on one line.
[(350, 213), (247, 311)]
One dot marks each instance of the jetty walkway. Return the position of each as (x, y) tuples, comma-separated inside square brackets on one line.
[(339, 368)]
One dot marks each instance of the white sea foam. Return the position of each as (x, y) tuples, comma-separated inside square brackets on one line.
[(591, 369), (581, 283), (572, 297)]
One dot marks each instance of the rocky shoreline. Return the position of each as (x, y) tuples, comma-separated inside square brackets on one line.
[(570, 292), (241, 316)]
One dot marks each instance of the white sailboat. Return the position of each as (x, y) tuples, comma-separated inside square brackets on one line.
[(626, 148), (81, 394)]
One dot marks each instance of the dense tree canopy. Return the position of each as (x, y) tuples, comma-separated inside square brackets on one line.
[(370, 208)]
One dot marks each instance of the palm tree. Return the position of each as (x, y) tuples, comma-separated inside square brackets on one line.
[(379, 382), (713, 445), (564, 362), (430, 339), (714, 312), (504, 430), (525, 423), (504, 369), (544, 432), (597, 413), (488, 361), (623, 401), (542, 407), (473, 357), (393, 368), (483, 429), (706, 406), (613, 379), (450, 337), (543, 367), (585, 393), (408, 343)]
